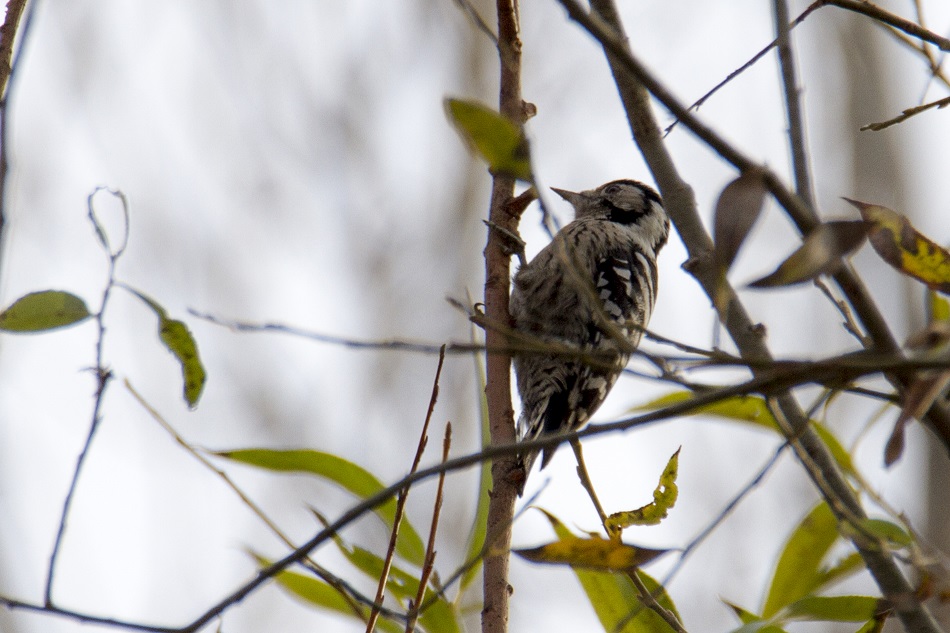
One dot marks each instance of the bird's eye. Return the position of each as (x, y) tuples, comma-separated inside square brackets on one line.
[(612, 189)]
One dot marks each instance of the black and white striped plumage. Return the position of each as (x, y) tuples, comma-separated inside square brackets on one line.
[(589, 290)]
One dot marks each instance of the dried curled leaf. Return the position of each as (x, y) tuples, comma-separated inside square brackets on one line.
[(904, 247), (664, 497), (178, 339), (918, 398), (820, 254)]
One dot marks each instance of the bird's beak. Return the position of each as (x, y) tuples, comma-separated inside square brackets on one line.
[(573, 197)]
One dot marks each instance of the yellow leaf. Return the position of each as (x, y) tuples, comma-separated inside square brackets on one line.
[(905, 248), (591, 553), (492, 136)]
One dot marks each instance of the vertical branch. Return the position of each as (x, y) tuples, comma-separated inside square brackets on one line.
[(501, 505), (8, 33), (793, 103)]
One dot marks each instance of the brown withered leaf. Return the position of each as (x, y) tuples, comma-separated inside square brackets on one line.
[(931, 342), (904, 247), (920, 395), (737, 209), (591, 553), (820, 254)]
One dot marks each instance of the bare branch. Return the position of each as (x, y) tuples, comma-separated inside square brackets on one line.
[(906, 114), (403, 496), (501, 506), (886, 17)]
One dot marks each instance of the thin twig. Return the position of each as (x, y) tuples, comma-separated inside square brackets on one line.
[(102, 373), (429, 564), (469, 10), (343, 341), (648, 599), (850, 325), (746, 66), (906, 114), (793, 104), (404, 495), (890, 19), (587, 483)]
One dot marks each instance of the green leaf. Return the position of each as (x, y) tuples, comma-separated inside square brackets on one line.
[(438, 616), (938, 308), (178, 340), (798, 572), (479, 529), (759, 626), (664, 497), (752, 410), (873, 626), (43, 311), (751, 623), (355, 479), (835, 608), (849, 565), (892, 533), (492, 136), (318, 593), (745, 616), (614, 596)]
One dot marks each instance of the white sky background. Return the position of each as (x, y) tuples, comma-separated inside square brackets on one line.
[(291, 162)]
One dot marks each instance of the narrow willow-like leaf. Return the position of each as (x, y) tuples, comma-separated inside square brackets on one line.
[(798, 571), (479, 528), (835, 608), (320, 594), (847, 566), (353, 478), (820, 254), (43, 311), (178, 340), (751, 623), (438, 616), (890, 532)]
